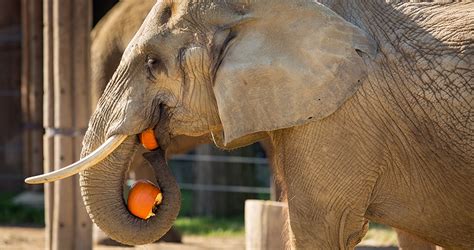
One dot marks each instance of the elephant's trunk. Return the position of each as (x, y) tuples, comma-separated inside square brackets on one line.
[(102, 191)]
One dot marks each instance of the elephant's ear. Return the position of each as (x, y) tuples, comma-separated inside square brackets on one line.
[(287, 66)]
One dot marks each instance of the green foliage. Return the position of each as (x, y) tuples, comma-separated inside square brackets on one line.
[(18, 215), (205, 226)]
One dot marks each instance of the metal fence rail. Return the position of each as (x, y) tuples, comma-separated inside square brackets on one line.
[(224, 188), (221, 158)]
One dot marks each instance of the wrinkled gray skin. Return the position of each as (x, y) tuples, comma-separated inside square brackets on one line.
[(395, 149)]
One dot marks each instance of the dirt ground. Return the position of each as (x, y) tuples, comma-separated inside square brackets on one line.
[(29, 238), (26, 238)]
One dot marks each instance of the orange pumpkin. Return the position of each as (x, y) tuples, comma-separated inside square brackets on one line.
[(148, 139), (142, 199)]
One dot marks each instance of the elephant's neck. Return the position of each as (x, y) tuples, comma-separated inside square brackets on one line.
[(328, 146), (419, 73)]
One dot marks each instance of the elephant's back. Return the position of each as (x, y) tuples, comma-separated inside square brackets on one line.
[(123, 20), (110, 37)]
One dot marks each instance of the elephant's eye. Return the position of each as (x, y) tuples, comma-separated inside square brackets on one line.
[(151, 62), (152, 65)]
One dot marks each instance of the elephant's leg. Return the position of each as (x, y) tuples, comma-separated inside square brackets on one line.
[(408, 241), (328, 189), (328, 223)]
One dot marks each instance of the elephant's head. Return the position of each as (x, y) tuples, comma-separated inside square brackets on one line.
[(232, 69)]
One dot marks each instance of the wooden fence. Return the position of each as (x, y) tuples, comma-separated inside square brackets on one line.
[(32, 88), (11, 178)]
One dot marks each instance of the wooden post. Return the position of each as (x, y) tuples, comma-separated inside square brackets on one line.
[(265, 225), (82, 108), (67, 110), (32, 88), (48, 118)]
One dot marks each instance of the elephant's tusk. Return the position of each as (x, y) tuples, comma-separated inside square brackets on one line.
[(90, 160)]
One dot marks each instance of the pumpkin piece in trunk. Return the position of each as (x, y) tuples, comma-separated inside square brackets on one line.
[(143, 198)]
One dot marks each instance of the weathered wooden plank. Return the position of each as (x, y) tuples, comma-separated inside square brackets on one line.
[(64, 193), (25, 86), (64, 198), (48, 117), (48, 101), (48, 153), (36, 90), (69, 60), (32, 88), (82, 110), (265, 224)]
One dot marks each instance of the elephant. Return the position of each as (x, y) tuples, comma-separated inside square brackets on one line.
[(109, 40), (367, 106)]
